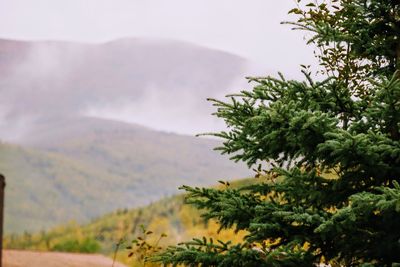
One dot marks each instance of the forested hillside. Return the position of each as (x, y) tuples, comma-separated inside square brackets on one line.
[(85, 167), (170, 216), (63, 160)]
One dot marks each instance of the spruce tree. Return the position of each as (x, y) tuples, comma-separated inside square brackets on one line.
[(326, 151)]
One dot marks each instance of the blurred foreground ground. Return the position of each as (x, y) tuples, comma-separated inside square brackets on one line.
[(23, 258)]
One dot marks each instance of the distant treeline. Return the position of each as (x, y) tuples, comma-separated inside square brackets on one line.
[(168, 216)]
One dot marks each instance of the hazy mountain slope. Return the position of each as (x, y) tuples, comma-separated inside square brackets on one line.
[(84, 167), (159, 83), (71, 166)]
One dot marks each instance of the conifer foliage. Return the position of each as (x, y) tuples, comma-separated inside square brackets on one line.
[(326, 151)]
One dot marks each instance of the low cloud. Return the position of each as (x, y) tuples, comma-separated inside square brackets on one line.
[(162, 84)]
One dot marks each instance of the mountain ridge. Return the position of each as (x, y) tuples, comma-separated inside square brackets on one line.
[(135, 80), (68, 165)]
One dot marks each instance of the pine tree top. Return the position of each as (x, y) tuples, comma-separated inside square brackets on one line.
[(328, 149)]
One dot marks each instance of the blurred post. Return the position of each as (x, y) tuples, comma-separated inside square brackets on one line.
[(2, 186)]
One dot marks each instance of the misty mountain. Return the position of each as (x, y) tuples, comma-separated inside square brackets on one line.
[(159, 83), (82, 168), (62, 164)]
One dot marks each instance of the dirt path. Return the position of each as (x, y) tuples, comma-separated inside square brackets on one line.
[(23, 258)]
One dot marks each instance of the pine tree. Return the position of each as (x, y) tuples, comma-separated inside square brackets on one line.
[(326, 151)]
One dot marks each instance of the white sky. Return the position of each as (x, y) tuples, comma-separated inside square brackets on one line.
[(249, 28)]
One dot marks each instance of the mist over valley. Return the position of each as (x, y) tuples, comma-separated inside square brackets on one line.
[(89, 128)]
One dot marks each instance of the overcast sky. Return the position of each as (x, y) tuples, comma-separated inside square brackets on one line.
[(249, 28)]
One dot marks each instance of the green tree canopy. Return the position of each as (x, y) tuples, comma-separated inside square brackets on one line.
[(326, 151)]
